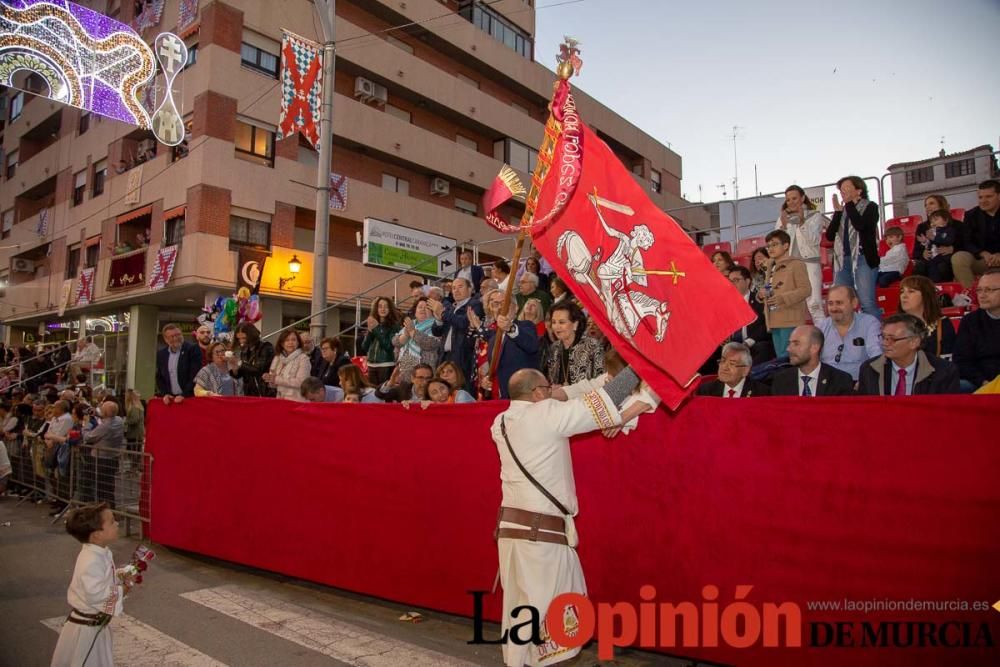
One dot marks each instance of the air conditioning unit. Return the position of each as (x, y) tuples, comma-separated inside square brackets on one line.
[(22, 265), (364, 89), (440, 186), (147, 145), (380, 95)]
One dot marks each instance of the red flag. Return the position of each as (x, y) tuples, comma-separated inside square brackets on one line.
[(505, 187), (656, 296)]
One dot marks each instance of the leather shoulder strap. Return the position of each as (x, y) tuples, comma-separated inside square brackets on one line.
[(535, 482)]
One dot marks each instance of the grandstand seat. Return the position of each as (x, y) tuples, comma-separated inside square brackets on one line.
[(951, 289), (887, 298), (747, 246), (908, 223), (712, 248), (828, 274), (958, 214)]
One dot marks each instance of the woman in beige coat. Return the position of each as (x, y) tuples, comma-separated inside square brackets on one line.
[(786, 288), (289, 367)]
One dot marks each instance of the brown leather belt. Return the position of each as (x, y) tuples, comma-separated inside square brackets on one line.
[(538, 523), (92, 620)]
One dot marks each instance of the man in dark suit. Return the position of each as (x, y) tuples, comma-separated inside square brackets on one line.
[(808, 376), (176, 366), (452, 326), (904, 369), (471, 272), (394, 391), (734, 367), (753, 335)]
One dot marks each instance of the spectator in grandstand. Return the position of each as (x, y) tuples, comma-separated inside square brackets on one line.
[(533, 312), (108, 439), (452, 374), (488, 285), (59, 425), (501, 273), (384, 322), (723, 261), (310, 350), (253, 361), (850, 337), (353, 381), (84, 357), (289, 367), (528, 288), (904, 369), (981, 235), (734, 367), (314, 391), (573, 356), (332, 360), (854, 231), (921, 246), (415, 343), (754, 335), (944, 238), (176, 366), (977, 347), (519, 348), (214, 379), (203, 337), (135, 420), (759, 261), (785, 291), (534, 265), (435, 293), (918, 297), (452, 326), (394, 390), (809, 376), (557, 288), (804, 224), (471, 272), (894, 262)]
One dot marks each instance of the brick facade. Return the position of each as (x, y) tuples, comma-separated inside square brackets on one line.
[(208, 210), (221, 25), (214, 116)]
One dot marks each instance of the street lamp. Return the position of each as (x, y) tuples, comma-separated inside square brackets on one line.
[(294, 265)]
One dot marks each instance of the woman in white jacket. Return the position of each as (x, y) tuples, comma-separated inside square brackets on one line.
[(805, 224), (289, 367)]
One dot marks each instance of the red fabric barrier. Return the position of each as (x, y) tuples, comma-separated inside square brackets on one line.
[(825, 499)]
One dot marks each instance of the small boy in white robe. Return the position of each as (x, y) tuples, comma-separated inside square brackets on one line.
[(95, 592)]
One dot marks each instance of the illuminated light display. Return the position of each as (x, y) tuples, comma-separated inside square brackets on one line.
[(88, 60)]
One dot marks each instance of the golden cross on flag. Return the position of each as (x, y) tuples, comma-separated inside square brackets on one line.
[(672, 272)]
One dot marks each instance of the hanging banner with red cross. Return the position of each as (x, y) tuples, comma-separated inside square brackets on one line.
[(301, 79), (85, 287), (163, 268), (338, 192)]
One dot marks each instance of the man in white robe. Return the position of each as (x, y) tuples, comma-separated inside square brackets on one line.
[(536, 565)]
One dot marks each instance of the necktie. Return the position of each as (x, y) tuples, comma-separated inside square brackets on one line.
[(901, 383), (806, 391), (732, 392)]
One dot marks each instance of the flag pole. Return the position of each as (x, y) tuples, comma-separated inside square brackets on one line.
[(317, 325), (553, 128)]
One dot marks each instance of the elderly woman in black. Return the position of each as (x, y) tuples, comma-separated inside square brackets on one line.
[(573, 356)]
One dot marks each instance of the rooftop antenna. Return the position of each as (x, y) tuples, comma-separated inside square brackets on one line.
[(942, 153)]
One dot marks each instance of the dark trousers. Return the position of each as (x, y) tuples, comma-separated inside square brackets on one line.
[(939, 269)]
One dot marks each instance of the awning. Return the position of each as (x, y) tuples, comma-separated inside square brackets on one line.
[(93, 240), (175, 212), (132, 215)]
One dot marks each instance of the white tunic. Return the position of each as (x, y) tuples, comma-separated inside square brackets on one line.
[(533, 573), (95, 588)]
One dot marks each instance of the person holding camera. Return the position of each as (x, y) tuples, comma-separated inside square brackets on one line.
[(850, 338), (804, 224), (214, 379)]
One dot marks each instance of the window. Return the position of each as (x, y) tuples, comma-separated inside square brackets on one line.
[(192, 55), (516, 154), (656, 185), (395, 184), (401, 114), (960, 168), (100, 175), (72, 261), (244, 231), (16, 106), (467, 207), (521, 108), (467, 142), (259, 60), (11, 165), (399, 44), (496, 26), (921, 175), (84, 122), (254, 143), (8, 223), (174, 230), (92, 253), (467, 79), (79, 187), (4, 281)]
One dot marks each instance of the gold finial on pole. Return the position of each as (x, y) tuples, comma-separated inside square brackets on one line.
[(569, 59)]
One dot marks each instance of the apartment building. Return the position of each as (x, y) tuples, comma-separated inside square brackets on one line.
[(954, 175), (424, 116)]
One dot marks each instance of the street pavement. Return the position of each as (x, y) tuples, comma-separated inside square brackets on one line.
[(196, 611)]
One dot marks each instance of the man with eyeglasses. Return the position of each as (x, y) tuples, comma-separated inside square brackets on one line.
[(809, 376), (754, 335), (734, 367), (904, 369), (535, 533), (785, 291), (394, 391), (977, 347), (850, 337)]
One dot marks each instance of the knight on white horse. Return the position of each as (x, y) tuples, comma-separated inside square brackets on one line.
[(613, 278)]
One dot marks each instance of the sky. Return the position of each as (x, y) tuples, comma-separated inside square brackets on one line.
[(818, 90)]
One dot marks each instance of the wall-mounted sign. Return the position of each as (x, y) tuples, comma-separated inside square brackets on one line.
[(397, 247)]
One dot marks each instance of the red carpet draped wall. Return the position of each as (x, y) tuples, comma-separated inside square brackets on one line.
[(822, 499)]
